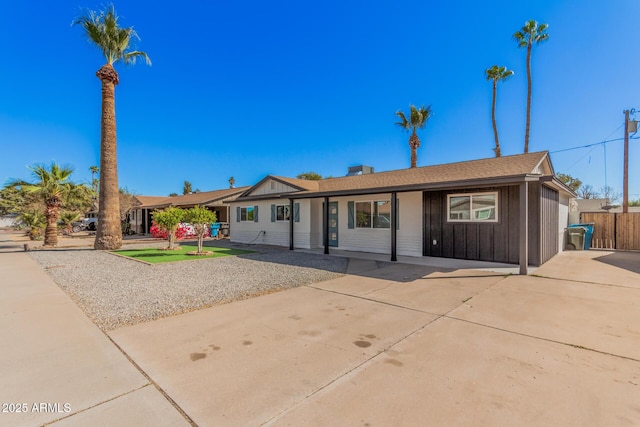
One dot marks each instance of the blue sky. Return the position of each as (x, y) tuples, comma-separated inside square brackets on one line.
[(254, 88)]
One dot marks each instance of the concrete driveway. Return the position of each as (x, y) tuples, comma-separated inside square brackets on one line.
[(390, 345)]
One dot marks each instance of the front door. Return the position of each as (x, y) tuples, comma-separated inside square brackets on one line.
[(333, 223)]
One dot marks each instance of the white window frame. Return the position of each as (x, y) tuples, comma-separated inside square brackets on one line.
[(471, 210), (373, 210), (246, 209), (285, 211)]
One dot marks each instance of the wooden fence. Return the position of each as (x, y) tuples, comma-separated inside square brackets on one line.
[(614, 230)]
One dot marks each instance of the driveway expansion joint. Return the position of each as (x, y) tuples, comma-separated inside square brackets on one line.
[(48, 423), (152, 382), (577, 346)]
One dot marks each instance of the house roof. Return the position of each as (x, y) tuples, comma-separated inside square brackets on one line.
[(490, 171), (188, 200)]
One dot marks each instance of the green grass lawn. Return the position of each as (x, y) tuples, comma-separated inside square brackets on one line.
[(156, 256)]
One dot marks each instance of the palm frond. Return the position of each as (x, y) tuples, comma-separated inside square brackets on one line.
[(102, 29), (403, 123)]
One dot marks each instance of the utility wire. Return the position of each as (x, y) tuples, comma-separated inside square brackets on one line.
[(591, 145)]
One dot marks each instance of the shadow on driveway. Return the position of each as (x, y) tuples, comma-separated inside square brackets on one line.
[(627, 260)]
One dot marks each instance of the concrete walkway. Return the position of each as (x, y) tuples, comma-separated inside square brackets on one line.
[(387, 344), (56, 365)]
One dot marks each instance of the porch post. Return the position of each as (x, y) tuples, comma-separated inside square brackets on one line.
[(524, 228), (394, 225), (143, 221), (291, 217), (325, 221)]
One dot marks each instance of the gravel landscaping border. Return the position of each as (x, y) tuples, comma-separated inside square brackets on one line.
[(114, 291)]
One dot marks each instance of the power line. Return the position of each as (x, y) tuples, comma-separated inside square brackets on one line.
[(590, 145)]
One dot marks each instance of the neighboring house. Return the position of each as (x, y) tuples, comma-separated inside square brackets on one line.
[(580, 206), (216, 201), (467, 210), (9, 220)]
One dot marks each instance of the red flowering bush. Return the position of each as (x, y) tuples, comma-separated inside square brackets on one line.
[(184, 231)]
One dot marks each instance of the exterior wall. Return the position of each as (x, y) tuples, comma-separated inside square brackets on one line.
[(378, 240), (316, 226), (550, 214), (564, 201), (409, 235), (272, 187), (375, 240), (497, 242), (266, 232)]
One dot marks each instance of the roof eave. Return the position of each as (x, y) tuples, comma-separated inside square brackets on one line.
[(476, 183)]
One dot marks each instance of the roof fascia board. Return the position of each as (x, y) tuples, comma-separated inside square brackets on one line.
[(488, 182), (554, 182)]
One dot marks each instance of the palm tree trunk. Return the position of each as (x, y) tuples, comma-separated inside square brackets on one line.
[(493, 119), (52, 212), (108, 231), (528, 124), (414, 143)]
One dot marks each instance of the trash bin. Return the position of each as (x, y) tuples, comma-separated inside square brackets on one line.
[(575, 237), (215, 227), (224, 229), (589, 233)]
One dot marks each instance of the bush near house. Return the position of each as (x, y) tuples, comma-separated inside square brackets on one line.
[(184, 231)]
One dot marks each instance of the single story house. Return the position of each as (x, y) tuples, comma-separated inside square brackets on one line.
[(216, 201), (508, 209), (580, 206)]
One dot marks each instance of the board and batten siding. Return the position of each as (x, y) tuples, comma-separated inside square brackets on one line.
[(272, 187), (485, 242), (549, 215), (499, 241)]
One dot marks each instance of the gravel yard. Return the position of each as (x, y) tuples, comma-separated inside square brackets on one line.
[(115, 291)]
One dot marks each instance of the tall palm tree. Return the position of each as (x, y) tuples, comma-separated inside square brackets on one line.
[(496, 74), (102, 29), (52, 185), (531, 33), (94, 183), (417, 120)]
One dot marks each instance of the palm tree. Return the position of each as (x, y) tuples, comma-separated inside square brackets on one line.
[(101, 28), (67, 218), (53, 187), (496, 74), (417, 120), (94, 182), (531, 33), (35, 221)]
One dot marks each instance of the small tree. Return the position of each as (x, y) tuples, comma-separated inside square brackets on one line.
[(201, 218), (569, 181), (66, 220), (36, 221), (310, 176), (610, 194), (186, 188), (587, 192), (169, 219)]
